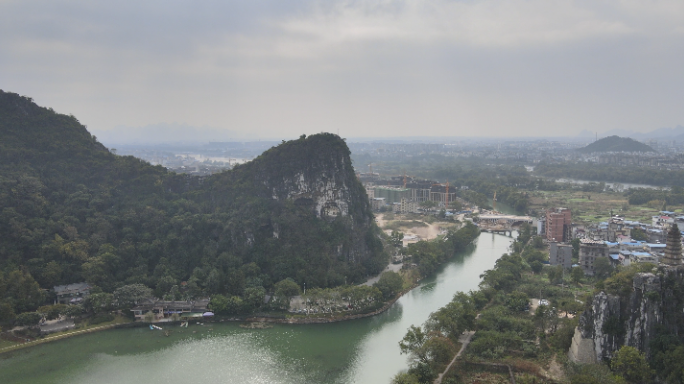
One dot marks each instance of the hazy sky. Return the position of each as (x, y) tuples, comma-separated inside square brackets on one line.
[(363, 68)]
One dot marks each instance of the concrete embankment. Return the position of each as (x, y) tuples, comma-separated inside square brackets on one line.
[(67, 335)]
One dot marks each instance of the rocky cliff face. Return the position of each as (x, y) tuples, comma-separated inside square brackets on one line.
[(310, 186), (631, 316)]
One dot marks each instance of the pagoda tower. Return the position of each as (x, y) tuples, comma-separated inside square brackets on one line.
[(673, 247)]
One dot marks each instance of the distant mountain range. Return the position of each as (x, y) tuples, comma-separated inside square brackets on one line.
[(166, 133), (676, 133), (616, 144)]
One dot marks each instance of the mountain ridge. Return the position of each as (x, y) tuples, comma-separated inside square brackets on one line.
[(74, 211)]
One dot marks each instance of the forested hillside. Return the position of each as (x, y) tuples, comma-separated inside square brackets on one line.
[(72, 211)]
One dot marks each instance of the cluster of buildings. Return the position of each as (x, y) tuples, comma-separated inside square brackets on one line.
[(612, 240), (161, 310), (405, 194), (170, 310)]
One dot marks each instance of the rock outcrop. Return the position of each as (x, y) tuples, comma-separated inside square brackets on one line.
[(631, 316)]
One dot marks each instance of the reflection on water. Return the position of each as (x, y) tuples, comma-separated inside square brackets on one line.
[(362, 351), (428, 287), (223, 359)]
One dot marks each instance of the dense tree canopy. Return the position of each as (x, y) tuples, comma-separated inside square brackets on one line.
[(72, 211)]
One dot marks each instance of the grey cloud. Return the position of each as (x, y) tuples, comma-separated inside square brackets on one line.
[(364, 67)]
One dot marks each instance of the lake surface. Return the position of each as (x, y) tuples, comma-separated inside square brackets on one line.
[(364, 351)]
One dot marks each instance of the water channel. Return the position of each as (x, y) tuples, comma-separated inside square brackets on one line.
[(362, 351)]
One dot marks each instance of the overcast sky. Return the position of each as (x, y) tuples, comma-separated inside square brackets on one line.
[(363, 68)]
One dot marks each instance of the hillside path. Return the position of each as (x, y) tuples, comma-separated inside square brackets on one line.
[(464, 339)]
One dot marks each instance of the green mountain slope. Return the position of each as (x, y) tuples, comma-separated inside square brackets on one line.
[(70, 211), (616, 144)]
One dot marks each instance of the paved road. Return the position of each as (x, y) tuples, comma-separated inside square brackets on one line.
[(57, 326), (390, 267)]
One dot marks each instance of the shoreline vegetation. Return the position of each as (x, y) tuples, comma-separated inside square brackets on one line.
[(522, 320), (427, 256)]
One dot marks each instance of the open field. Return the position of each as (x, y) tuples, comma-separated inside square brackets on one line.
[(415, 227), (591, 207)]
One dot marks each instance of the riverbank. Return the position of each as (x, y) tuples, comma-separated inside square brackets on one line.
[(286, 319), (362, 351), (68, 334)]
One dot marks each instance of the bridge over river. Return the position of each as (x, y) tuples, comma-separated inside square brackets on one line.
[(501, 223)]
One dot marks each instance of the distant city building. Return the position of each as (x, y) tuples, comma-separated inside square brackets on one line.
[(407, 206), (392, 194), (558, 225), (590, 250), (560, 254), (377, 203)]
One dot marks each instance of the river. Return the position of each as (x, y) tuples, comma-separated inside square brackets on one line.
[(361, 351)]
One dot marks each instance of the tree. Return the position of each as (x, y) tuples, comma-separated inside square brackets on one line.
[(99, 302), (405, 378), (555, 274), (525, 233), (52, 311), (253, 298), (536, 266), (545, 317), (223, 305), (638, 234), (219, 304), (396, 238), (412, 344), (602, 268), (72, 310), (390, 283), (6, 312), (577, 274), (454, 318), (575, 248), (631, 364), (285, 290), (517, 301), (28, 318), (132, 294), (538, 242)]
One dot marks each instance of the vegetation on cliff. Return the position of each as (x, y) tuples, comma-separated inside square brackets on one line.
[(74, 211)]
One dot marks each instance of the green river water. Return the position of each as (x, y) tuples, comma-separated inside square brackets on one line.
[(361, 351)]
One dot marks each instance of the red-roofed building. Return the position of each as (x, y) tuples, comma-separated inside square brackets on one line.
[(558, 224)]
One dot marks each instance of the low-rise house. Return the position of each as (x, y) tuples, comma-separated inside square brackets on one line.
[(163, 309), (377, 203), (72, 293)]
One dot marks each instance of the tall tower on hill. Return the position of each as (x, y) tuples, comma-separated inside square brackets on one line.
[(673, 247)]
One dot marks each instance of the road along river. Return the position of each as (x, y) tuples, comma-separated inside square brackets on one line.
[(361, 351)]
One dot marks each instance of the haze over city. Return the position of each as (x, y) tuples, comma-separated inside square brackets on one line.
[(272, 69)]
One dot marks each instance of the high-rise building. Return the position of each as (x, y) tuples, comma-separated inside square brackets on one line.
[(589, 251), (558, 223)]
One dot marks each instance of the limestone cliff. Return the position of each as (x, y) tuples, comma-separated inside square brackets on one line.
[(631, 315), (309, 186)]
